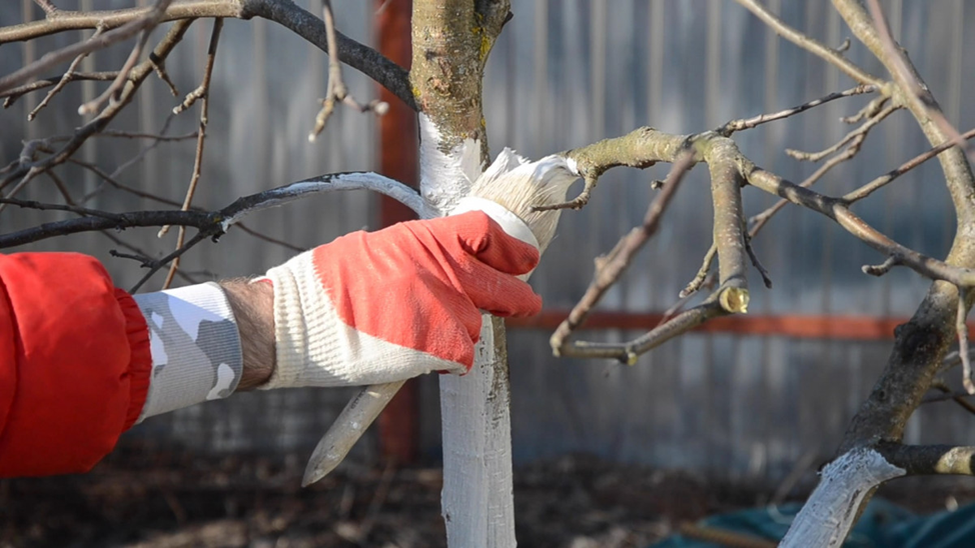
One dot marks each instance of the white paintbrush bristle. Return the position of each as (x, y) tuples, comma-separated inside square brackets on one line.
[(519, 185)]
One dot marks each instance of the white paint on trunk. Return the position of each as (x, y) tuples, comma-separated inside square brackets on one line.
[(477, 499), (477, 504), (497, 456), (828, 515), (446, 173)]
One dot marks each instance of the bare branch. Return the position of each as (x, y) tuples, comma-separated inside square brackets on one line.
[(947, 394), (11, 95), (147, 19), (63, 81), (729, 236), (158, 265), (114, 90), (748, 123), (869, 188), (215, 223), (640, 148), (756, 263), (694, 285), (856, 137), (815, 47), (284, 12), (47, 6), (628, 352), (837, 210), (923, 460), (958, 173), (916, 92), (336, 91), (204, 92), (610, 267), (26, 164)]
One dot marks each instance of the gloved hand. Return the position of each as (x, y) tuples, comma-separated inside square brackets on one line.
[(378, 307)]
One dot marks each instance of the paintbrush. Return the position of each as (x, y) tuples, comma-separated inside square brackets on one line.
[(508, 191)]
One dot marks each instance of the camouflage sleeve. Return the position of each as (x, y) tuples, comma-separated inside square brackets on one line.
[(195, 347)]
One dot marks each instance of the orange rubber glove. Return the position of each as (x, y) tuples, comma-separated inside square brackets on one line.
[(378, 307)]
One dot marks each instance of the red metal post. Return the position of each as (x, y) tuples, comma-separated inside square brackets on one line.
[(399, 425)]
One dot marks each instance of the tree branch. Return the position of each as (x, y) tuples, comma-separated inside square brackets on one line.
[(336, 90), (815, 47), (611, 266), (202, 91), (27, 168), (284, 12), (925, 460), (211, 223), (748, 123), (146, 19)]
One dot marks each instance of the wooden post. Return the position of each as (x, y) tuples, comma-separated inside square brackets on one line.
[(399, 427)]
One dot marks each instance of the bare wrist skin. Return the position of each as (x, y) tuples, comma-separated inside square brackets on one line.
[(253, 306)]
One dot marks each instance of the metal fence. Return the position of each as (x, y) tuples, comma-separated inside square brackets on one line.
[(564, 74)]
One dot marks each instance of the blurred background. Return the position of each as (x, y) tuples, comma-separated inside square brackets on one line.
[(718, 418)]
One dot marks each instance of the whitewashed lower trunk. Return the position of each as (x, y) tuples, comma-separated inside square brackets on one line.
[(829, 514), (477, 501)]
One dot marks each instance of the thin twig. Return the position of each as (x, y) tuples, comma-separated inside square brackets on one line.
[(269, 239), (336, 90), (766, 279), (805, 42), (199, 237), (702, 273), (11, 95), (200, 140), (757, 222), (62, 188), (137, 253), (882, 268), (84, 211), (47, 6), (64, 79), (856, 136), (82, 134), (159, 67), (948, 394), (868, 111), (115, 89), (149, 19), (869, 188), (153, 136), (749, 123)]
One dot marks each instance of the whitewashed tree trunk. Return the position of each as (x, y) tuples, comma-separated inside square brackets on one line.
[(477, 499)]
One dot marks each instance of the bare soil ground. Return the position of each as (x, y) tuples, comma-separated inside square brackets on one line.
[(172, 501)]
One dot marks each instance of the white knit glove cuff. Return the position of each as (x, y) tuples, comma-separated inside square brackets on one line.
[(316, 348)]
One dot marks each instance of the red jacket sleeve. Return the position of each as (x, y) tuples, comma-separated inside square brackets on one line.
[(74, 363)]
